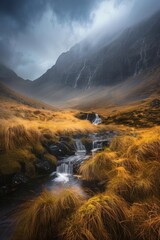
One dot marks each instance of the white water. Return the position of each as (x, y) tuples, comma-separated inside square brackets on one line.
[(65, 169), (79, 75), (97, 120), (80, 148), (143, 59)]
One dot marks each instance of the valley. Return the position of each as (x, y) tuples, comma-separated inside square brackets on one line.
[(80, 145)]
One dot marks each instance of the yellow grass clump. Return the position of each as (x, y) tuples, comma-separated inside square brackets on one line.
[(145, 219), (120, 183), (149, 151), (41, 219), (131, 165), (120, 144), (102, 217), (97, 167), (17, 136), (132, 187), (146, 147), (10, 162)]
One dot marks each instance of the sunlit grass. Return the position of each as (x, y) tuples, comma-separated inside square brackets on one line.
[(97, 167), (101, 217), (145, 218), (43, 218)]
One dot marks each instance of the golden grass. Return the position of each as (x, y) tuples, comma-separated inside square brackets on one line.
[(145, 218), (120, 183), (97, 167), (147, 146), (102, 217), (41, 218), (10, 162), (131, 165), (133, 186), (120, 144), (17, 136), (149, 151)]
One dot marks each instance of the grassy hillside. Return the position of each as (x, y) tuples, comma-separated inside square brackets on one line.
[(25, 125), (140, 114), (127, 208)]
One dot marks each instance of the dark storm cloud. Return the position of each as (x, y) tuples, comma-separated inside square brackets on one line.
[(33, 33), (23, 12), (20, 13)]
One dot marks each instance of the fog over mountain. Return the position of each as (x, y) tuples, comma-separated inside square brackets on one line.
[(34, 33)]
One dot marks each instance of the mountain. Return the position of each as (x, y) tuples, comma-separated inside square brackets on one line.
[(122, 61), (11, 79), (136, 50), (8, 95)]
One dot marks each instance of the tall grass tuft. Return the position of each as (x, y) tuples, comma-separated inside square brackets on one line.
[(149, 151), (102, 217), (131, 165), (120, 183), (42, 218), (17, 136), (98, 167), (145, 219), (120, 144)]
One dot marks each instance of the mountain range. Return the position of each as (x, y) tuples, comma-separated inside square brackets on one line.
[(126, 66)]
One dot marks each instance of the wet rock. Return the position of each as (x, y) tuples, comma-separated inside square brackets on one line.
[(19, 178), (43, 166), (60, 150), (87, 116)]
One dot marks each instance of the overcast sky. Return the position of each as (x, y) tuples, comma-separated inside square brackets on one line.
[(33, 33)]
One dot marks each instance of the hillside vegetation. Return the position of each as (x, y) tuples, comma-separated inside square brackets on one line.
[(26, 125), (128, 208)]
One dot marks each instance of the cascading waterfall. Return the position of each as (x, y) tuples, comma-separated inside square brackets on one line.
[(80, 148), (66, 168), (97, 120), (63, 171)]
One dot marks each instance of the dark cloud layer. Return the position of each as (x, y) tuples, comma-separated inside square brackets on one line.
[(23, 12), (34, 32)]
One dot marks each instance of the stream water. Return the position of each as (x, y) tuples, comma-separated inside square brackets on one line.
[(62, 177)]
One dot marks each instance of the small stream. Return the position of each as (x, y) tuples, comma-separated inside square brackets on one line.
[(63, 176)]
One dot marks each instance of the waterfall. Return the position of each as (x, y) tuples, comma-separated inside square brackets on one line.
[(80, 148), (79, 75), (63, 171), (142, 62), (97, 120), (87, 116), (66, 168)]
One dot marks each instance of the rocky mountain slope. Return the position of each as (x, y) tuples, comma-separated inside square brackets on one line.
[(87, 66), (136, 50)]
